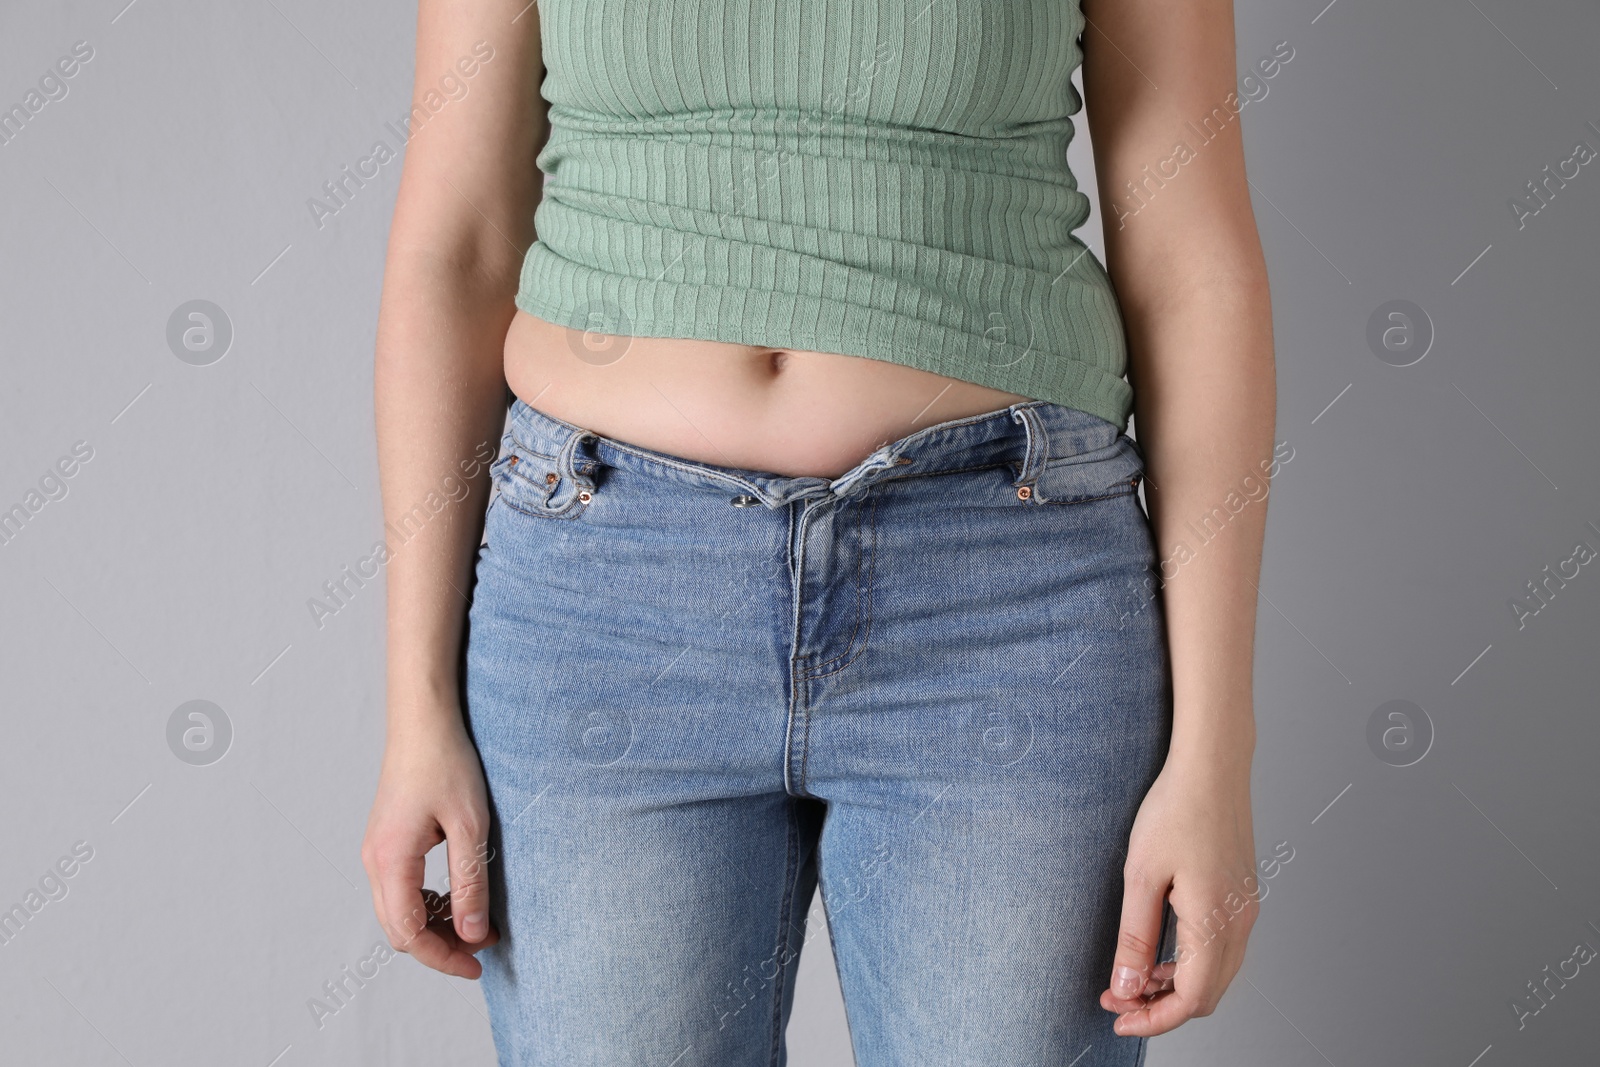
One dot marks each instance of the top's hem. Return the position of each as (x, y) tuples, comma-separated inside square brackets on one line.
[(1076, 384)]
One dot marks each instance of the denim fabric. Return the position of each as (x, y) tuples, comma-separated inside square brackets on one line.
[(938, 683)]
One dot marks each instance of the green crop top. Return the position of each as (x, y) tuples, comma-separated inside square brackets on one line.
[(878, 178)]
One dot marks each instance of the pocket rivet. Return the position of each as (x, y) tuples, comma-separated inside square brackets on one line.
[(513, 461), (743, 501), (585, 496), (1024, 492), (550, 479)]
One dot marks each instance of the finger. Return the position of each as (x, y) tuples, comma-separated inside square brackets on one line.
[(1138, 934), (442, 925), (1203, 954), (405, 919), (1154, 986), (1166, 1011), (1161, 1013), (1196, 982), (405, 903), (1160, 981), (467, 841)]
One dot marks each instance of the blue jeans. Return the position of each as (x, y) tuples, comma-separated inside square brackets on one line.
[(937, 684)]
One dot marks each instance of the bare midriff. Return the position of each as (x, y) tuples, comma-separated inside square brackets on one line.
[(789, 412)]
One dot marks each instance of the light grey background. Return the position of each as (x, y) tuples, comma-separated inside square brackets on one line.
[(218, 499)]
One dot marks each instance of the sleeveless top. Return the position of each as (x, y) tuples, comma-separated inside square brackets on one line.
[(878, 178)]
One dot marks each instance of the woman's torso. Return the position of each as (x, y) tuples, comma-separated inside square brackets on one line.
[(783, 182), (789, 412)]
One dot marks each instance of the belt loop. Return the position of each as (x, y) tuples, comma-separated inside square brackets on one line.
[(573, 471), (1038, 451)]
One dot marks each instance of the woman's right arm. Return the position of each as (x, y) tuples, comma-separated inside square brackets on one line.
[(462, 221)]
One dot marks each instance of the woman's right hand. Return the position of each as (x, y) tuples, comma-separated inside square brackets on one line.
[(431, 789)]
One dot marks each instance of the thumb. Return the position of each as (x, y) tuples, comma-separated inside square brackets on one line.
[(468, 850), (1138, 936)]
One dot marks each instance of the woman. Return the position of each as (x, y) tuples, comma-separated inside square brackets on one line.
[(817, 551)]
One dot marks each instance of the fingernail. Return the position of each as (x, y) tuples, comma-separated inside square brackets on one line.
[(1127, 981), (473, 927)]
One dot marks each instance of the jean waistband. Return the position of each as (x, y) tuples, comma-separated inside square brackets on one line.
[(1028, 436)]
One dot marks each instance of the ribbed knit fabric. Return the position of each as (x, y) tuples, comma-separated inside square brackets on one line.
[(879, 178)]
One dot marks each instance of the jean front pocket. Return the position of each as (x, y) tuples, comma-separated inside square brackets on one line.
[(1101, 474), (547, 487)]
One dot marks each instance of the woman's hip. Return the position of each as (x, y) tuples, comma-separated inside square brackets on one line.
[(1000, 561)]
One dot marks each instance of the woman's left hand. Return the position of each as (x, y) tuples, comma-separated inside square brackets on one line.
[(1192, 839)]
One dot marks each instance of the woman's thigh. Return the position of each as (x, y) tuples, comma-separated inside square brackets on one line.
[(649, 874), (983, 756)]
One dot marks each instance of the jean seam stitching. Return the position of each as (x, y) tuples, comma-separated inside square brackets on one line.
[(528, 450), (952, 470), (1089, 499), (797, 675), (511, 471), (701, 469), (1041, 462), (567, 512), (1036, 453), (866, 634), (816, 670), (805, 753)]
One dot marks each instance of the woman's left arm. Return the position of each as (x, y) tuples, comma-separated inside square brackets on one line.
[(1183, 252)]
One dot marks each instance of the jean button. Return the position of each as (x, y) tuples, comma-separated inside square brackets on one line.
[(744, 501)]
